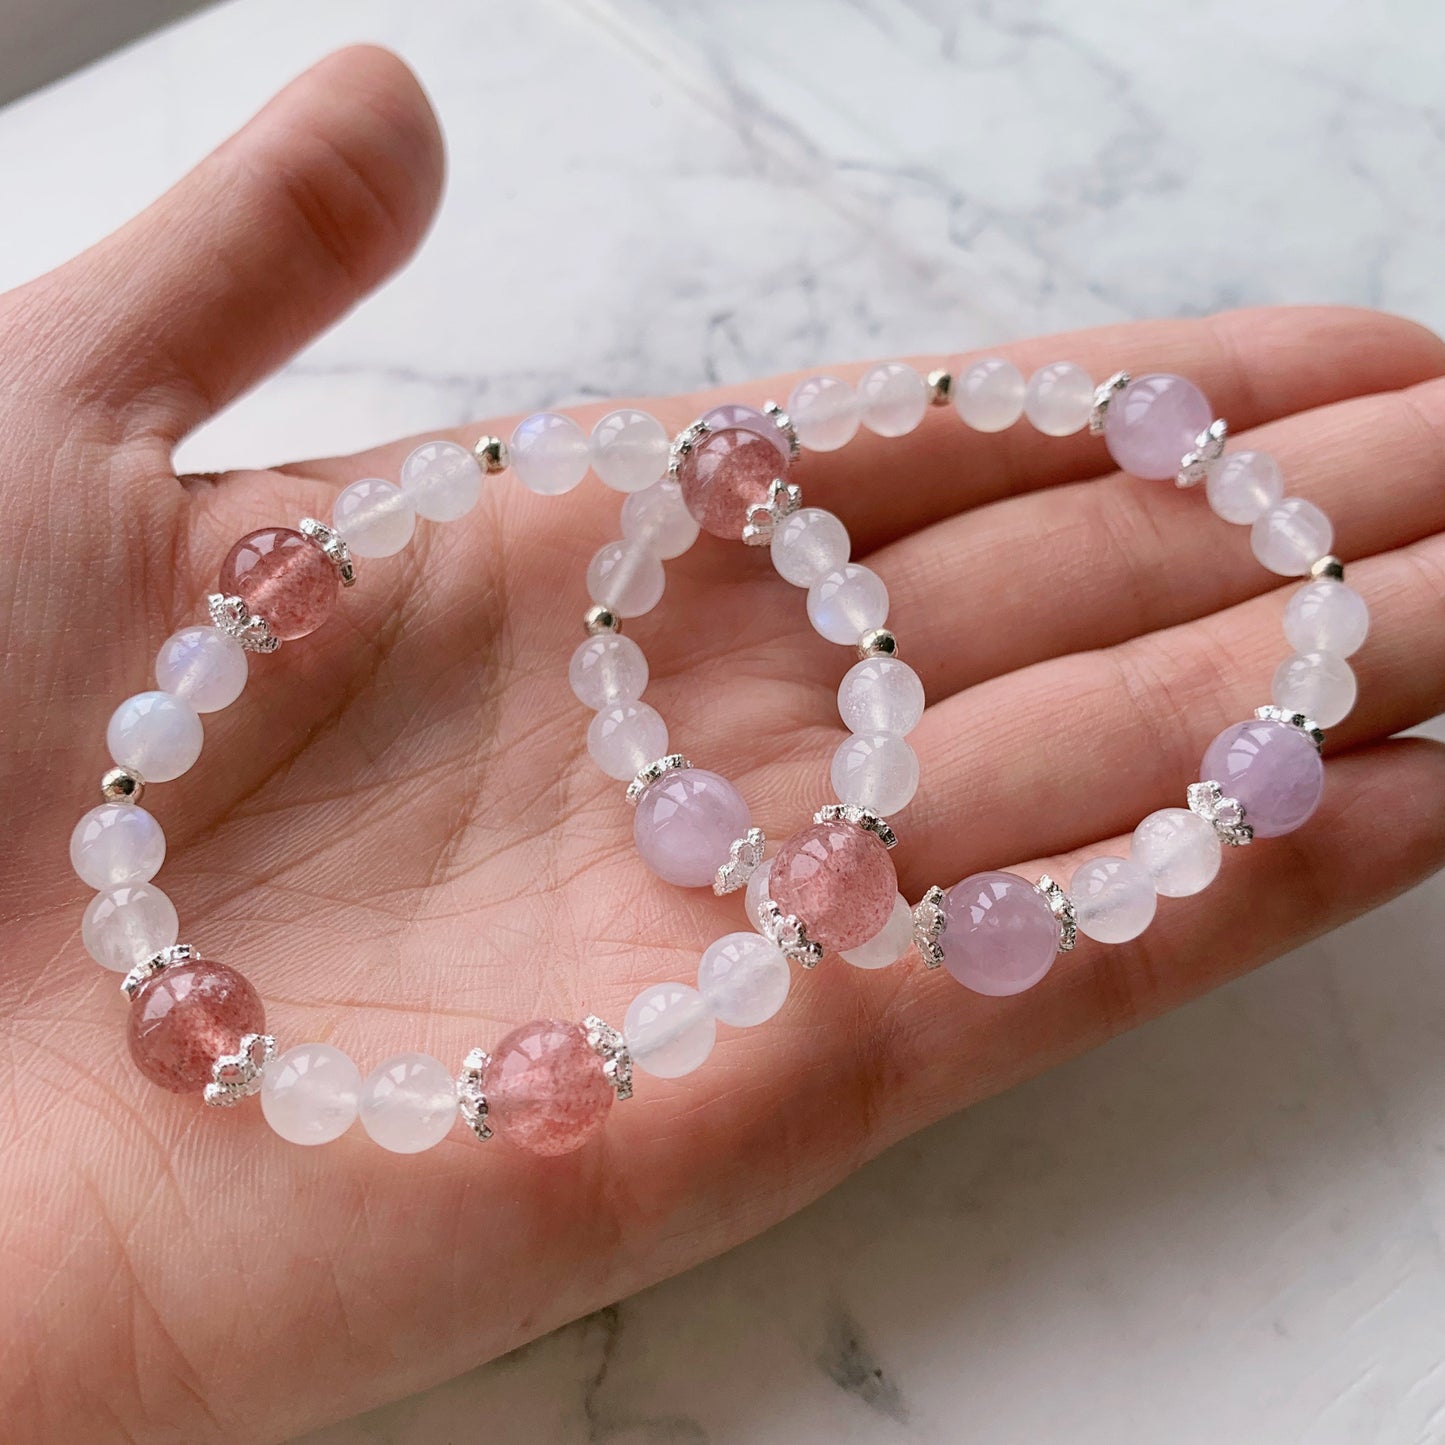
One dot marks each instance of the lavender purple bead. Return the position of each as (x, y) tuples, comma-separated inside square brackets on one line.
[(1154, 423), (1000, 936), (1272, 769), (686, 824)]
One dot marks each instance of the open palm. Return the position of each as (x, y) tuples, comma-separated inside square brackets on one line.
[(397, 836)]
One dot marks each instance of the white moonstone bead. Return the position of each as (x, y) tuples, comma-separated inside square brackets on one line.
[(157, 734), (310, 1094), (658, 519), (880, 695), (607, 670), (627, 578), (1326, 616), (409, 1103), (824, 412), (442, 480), (123, 925), (887, 946), (376, 518), (1242, 486), (809, 545), (1291, 536), (743, 979), (629, 449), (117, 843), (549, 453), (848, 602), (1114, 899), (669, 1030), (624, 739), (757, 890), (1178, 850), (203, 667), (893, 398), (989, 394), (1059, 398), (877, 771), (1318, 684)]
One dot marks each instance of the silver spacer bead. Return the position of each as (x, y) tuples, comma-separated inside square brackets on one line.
[(1308, 726), (611, 1047), (493, 454), (1327, 566), (860, 818), (122, 785), (784, 424), (682, 445), (1062, 907), (471, 1101), (784, 499), (652, 772), (599, 619), (147, 968), (940, 387), (929, 921), (1104, 393), (1225, 815), (743, 859), (877, 642), (231, 616), (1208, 448), (237, 1076), (788, 933), (333, 544)]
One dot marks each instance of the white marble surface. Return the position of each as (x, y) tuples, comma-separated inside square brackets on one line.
[(1226, 1227)]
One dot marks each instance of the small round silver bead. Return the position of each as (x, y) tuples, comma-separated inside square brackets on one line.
[(599, 619), (492, 453), (122, 785), (940, 387), (878, 642), (1328, 566)]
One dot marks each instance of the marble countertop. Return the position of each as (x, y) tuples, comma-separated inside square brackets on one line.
[(1141, 1246)]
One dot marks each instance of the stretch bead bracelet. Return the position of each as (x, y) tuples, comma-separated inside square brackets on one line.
[(198, 1026)]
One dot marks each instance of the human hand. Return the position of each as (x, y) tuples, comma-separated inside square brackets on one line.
[(397, 835)]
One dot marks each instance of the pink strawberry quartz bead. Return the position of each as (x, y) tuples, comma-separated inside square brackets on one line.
[(1000, 936), (187, 1017), (1271, 769), (545, 1088), (838, 881), (686, 824), (1154, 423), (726, 473), (283, 577)]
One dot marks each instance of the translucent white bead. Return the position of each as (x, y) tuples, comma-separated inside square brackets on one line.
[(669, 1030), (607, 670), (157, 734), (1326, 616), (1114, 899), (202, 666), (443, 481), (310, 1094), (376, 518), (1178, 850), (893, 398), (824, 411), (989, 394), (658, 519), (743, 979), (627, 578), (117, 843), (1291, 536), (880, 695), (809, 545), (757, 890), (126, 924), (549, 453), (848, 602), (409, 1103), (888, 946), (1318, 684), (629, 449), (624, 739), (877, 771), (1059, 398), (1241, 486)]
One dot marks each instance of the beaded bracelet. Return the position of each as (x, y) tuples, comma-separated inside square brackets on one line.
[(198, 1026)]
